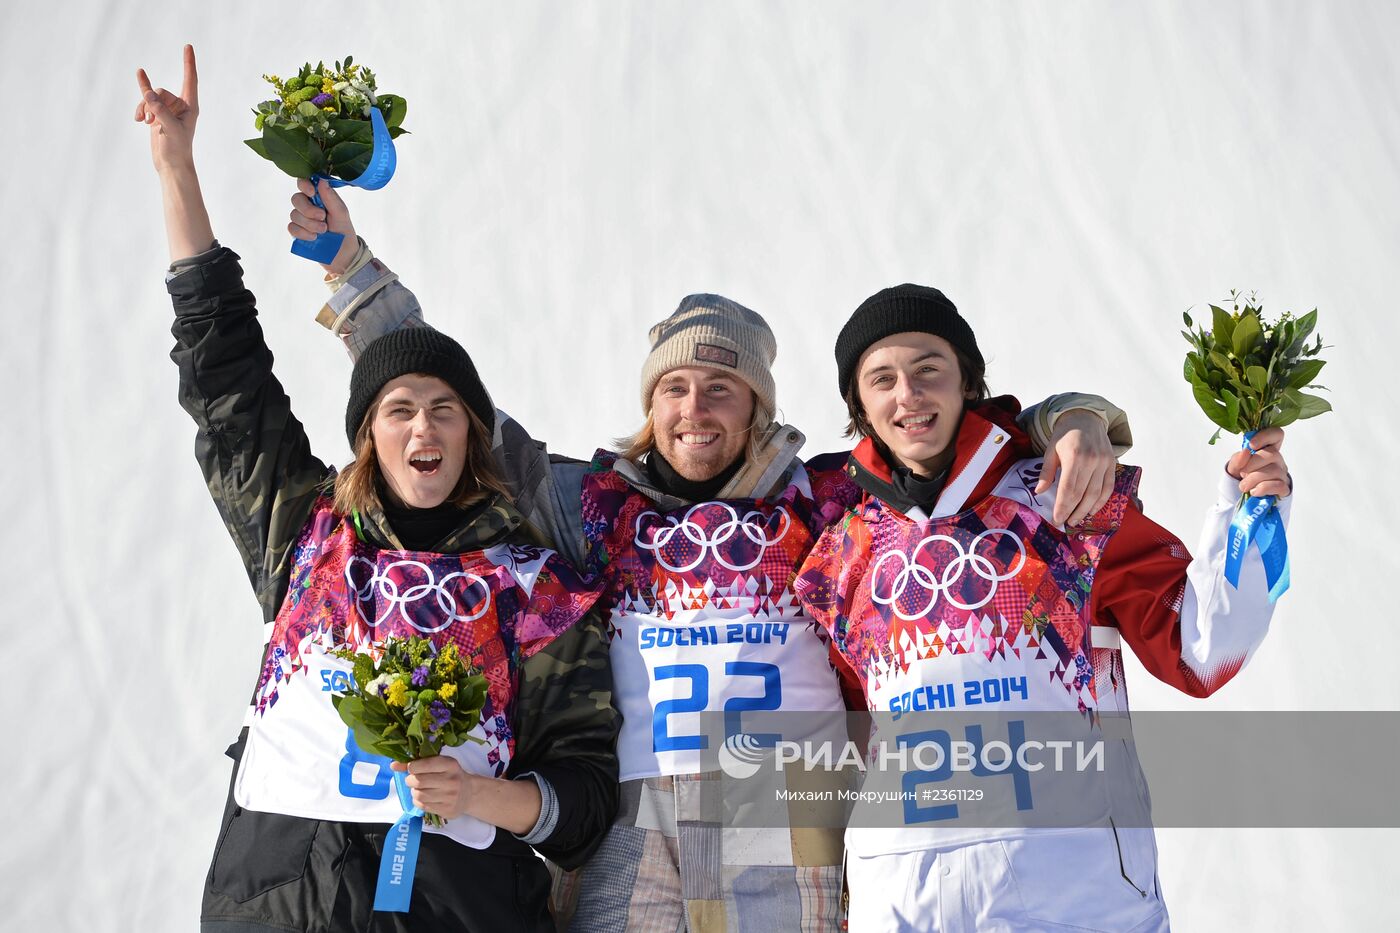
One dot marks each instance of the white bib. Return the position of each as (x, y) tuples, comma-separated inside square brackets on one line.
[(667, 672), (301, 760)]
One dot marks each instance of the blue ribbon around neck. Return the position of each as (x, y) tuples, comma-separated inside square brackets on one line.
[(400, 859), (1258, 523), (382, 162)]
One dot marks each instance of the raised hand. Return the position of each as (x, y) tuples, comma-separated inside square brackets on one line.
[(308, 220), (170, 118), (1260, 467)]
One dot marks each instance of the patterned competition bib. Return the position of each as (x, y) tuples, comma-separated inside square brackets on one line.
[(982, 619), (498, 606), (704, 620)]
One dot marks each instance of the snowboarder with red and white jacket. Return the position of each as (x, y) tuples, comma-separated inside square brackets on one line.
[(951, 589)]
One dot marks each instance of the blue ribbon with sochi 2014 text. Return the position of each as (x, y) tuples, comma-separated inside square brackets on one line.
[(382, 162), (1258, 523), (400, 859)]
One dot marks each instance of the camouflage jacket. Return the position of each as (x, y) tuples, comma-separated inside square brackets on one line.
[(264, 479)]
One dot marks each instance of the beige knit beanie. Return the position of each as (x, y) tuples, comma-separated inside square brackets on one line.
[(711, 330)]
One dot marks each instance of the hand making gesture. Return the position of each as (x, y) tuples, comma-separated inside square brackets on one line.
[(172, 120)]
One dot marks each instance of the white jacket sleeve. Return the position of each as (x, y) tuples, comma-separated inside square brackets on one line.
[(1183, 620)]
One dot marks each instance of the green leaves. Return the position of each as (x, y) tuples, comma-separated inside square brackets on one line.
[(348, 130), (362, 720), (348, 160), (1223, 325), (1247, 334), (1309, 406), (364, 670), (394, 108), (1247, 373), (1214, 408), (1304, 325), (1305, 373), (293, 151)]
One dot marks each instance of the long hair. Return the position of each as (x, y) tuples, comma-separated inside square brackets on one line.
[(360, 486), (636, 446)]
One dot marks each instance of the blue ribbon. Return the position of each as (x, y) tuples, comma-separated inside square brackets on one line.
[(1258, 523), (382, 162), (400, 859)]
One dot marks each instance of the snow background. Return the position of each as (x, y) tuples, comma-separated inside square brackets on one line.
[(1072, 175)]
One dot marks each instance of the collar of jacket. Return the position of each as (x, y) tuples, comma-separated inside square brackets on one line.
[(988, 441), (488, 527), (637, 478)]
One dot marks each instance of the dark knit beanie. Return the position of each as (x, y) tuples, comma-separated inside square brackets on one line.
[(899, 310), (415, 350)]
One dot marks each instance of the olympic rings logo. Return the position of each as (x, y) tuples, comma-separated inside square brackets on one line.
[(752, 530), (935, 585), (449, 602)]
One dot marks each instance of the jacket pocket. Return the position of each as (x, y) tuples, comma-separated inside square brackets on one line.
[(1076, 880), (1137, 857), (260, 851), (1132, 820)]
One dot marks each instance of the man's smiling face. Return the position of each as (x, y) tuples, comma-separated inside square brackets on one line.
[(911, 388), (701, 419)]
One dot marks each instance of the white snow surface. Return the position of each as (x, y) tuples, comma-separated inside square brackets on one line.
[(1074, 176)]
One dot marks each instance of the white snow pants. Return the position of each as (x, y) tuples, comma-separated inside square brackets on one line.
[(1084, 879)]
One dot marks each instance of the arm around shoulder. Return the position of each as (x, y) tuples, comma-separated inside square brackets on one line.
[(1039, 420)]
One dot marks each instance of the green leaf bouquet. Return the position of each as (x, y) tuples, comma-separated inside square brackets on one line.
[(1248, 373), (319, 122), (411, 702)]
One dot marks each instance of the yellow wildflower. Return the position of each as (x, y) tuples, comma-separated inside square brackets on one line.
[(446, 664), (448, 691), (329, 109), (397, 695), (327, 85)]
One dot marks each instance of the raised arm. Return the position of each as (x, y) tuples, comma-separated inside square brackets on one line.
[(368, 301), (253, 452), (171, 119)]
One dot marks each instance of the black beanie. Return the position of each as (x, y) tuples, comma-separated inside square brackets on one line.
[(415, 350), (899, 310)]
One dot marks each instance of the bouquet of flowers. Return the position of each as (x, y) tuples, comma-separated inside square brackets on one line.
[(1248, 373), (320, 122), (411, 702)]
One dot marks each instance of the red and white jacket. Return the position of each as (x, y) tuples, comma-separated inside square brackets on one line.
[(986, 606)]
